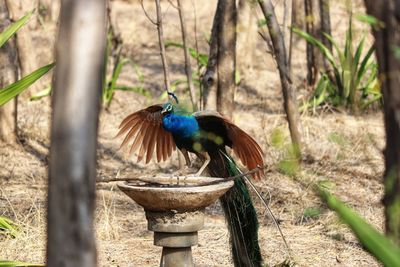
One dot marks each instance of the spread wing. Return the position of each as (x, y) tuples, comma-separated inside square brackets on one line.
[(143, 129), (242, 144)]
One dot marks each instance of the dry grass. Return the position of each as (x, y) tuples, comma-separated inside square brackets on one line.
[(344, 150)]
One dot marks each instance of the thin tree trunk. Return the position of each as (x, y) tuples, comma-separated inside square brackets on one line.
[(76, 102), (188, 67), (27, 60), (220, 74), (289, 99), (313, 27), (8, 75), (246, 36), (210, 78), (325, 22), (386, 38), (162, 46), (227, 58), (326, 28), (297, 21)]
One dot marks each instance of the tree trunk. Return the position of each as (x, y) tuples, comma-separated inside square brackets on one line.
[(326, 28), (76, 102), (8, 75), (297, 21), (51, 9), (27, 59), (219, 79), (386, 38), (325, 22), (246, 36), (289, 99), (313, 27)]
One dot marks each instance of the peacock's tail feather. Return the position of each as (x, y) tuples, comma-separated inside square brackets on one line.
[(239, 212)]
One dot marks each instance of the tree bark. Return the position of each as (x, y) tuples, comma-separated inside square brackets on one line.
[(246, 36), (219, 79), (8, 75), (27, 60), (188, 67), (387, 38), (289, 100), (76, 100), (313, 27), (325, 22), (297, 20)]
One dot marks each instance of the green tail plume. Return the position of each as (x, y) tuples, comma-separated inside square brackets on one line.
[(239, 212)]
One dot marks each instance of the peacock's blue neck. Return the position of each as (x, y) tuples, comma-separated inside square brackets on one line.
[(183, 126)]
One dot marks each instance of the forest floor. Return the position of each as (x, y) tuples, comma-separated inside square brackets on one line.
[(342, 149)]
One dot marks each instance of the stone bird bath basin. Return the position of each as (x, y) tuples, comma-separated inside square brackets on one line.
[(174, 208)]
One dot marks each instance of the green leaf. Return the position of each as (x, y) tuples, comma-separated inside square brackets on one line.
[(324, 50), (7, 226), (371, 20), (13, 28), (39, 95), (6, 94), (381, 247), (363, 65), (5, 263)]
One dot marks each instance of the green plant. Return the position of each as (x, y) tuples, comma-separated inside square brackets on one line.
[(110, 84), (12, 90), (354, 82), (4, 263), (380, 246), (8, 227)]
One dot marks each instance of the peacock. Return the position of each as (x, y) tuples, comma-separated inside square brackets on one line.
[(163, 127)]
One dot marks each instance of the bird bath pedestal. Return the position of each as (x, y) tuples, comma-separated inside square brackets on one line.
[(174, 208)]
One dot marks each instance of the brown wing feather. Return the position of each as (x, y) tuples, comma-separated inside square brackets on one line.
[(144, 129), (246, 148), (243, 145)]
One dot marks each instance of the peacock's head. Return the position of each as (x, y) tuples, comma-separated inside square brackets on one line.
[(167, 109)]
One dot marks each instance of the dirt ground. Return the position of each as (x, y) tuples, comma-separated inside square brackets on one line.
[(344, 150)]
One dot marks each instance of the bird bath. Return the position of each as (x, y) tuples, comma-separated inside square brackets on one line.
[(174, 208)]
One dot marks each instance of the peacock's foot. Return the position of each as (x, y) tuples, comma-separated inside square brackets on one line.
[(188, 171)]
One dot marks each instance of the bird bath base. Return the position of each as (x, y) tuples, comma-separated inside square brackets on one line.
[(176, 232), (175, 212)]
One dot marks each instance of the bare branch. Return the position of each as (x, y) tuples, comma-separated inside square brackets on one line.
[(162, 46), (147, 15), (188, 68)]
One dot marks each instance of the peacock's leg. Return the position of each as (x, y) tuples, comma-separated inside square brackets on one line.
[(206, 161), (186, 156)]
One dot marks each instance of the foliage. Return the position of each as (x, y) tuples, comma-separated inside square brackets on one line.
[(354, 82), (12, 90), (380, 246), (288, 163), (8, 227), (4, 263), (110, 86), (13, 28)]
